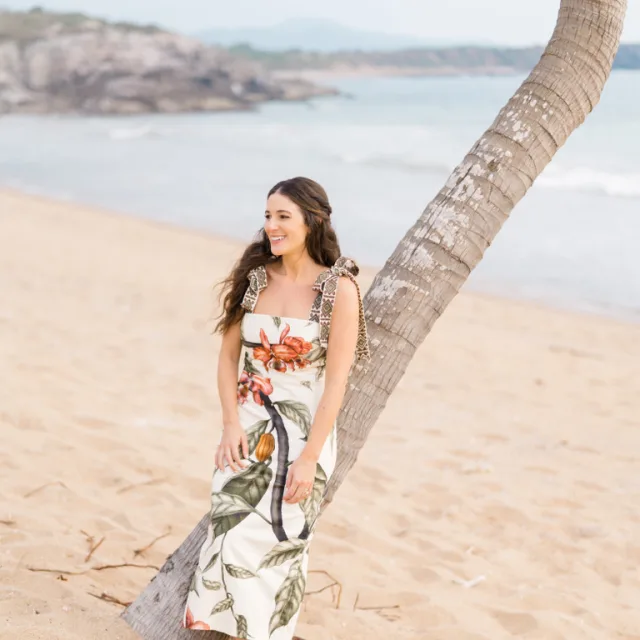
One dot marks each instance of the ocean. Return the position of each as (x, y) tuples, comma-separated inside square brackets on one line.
[(382, 151)]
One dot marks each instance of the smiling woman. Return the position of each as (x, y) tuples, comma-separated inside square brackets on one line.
[(278, 446)]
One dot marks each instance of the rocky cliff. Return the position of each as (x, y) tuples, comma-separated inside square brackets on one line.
[(70, 63)]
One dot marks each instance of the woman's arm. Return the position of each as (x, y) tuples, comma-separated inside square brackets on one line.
[(233, 435), (340, 351), (343, 338)]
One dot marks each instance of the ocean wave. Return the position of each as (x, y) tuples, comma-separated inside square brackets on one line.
[(571, 179), (587, 179)]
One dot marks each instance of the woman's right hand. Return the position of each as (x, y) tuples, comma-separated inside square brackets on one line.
[(233, 438)]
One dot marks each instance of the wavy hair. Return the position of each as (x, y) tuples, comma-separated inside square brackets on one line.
[(321, 244)]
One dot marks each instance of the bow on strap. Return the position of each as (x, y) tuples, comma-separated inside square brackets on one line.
[(257, 282), (327, 284)]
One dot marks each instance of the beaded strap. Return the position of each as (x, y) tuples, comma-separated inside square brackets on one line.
[(322, 310), (257, 282), (327, 285)]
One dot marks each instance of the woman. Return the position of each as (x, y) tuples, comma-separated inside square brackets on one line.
[(292, 320)]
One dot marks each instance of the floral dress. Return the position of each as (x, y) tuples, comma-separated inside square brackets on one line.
[(251, 574)]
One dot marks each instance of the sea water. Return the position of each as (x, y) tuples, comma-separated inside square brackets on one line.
[(382, 150)]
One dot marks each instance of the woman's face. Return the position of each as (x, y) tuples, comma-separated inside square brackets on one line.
[(284, 225)]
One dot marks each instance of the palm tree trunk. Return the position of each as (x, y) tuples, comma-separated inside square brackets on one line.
[(438, 253)]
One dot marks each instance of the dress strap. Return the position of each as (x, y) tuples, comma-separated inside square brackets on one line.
[(257, 282), (327, 285)]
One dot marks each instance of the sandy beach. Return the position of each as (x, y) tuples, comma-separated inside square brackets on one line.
[(496, 498)]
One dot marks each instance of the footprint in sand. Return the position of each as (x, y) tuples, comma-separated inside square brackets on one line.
[(494, 437), (591, 486), (501, 513), (377, 474), (545, 470), (91, 421), (516, 624), (186, 410)]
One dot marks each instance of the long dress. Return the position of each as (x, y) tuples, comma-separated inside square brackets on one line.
[(252, 568)]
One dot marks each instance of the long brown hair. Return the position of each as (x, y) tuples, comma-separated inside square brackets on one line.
[(321, 244)]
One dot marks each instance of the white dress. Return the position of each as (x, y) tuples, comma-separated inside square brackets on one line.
[(251, 574)]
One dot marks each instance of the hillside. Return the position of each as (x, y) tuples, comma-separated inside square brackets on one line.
[(314, 34), (473, 60), (72, 63)]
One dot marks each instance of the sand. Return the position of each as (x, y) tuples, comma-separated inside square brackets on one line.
[(497, 497)]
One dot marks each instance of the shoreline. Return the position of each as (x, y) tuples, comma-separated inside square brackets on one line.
[(496, 495), (370, 71), (367, 270)]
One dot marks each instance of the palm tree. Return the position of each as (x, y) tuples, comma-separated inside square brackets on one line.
[(438, 253)]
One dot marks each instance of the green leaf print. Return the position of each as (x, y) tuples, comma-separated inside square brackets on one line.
[(251, 484), (283, 551), (297, 412), (289, 597), (239, 497), (254, 434), (277, 321), (211, 562), (224, 505), (239, 572), (248, 364), (194, 583), (306, 383), (311, 506), (242, 631), (211, 585), (223, 605), (317, 353)]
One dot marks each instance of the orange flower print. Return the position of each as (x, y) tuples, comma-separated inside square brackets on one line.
[(288, 352), (253, 383), (190, 623)]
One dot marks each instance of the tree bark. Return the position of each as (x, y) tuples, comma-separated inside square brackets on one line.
[(438, 253)]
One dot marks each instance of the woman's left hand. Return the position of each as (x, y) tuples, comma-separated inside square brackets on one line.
[(300, 478)]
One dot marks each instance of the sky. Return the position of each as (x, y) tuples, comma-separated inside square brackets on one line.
[(510, 22)]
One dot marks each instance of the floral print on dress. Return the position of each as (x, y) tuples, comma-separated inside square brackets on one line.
[(288, 352), (254, 384), (190, 623)]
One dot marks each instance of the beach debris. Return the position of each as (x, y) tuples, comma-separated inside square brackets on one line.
[(102, 567), (377, 608), (93, 545), (468, 584), (139, 552), (335, 596), (125, 564), (146, 483), (44, 486), (109, 598)]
